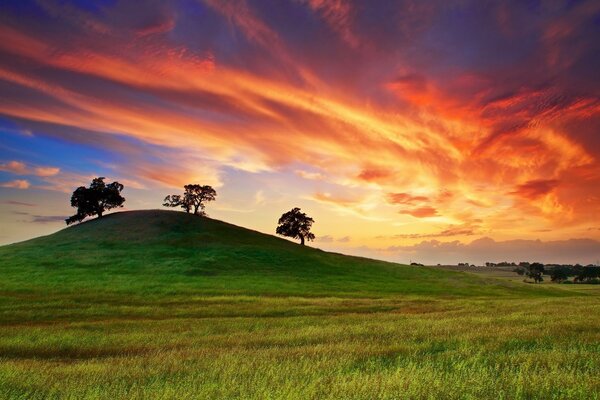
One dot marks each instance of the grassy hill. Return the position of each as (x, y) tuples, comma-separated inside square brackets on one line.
[(158, 304), (161, 252)]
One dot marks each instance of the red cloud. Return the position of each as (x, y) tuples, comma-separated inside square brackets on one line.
[(420, 212), (536, 188), (374, 174), (405, 198)]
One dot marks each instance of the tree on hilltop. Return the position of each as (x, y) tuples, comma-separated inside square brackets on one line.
[(176, 200), (296, 224), (194, 198), (95, 200)]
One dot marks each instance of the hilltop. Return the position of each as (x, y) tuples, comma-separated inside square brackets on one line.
[(160, 252)]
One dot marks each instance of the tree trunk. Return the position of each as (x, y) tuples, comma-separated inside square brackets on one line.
[(302, 240)]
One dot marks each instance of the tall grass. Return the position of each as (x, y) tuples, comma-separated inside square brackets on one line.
[(95, 312), (327, 349)]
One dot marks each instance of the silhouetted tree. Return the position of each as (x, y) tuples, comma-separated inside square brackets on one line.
[(295, 224), (535, 271), (586, 274), (96, 199), (176, 200), (559, 274), (193, 198)]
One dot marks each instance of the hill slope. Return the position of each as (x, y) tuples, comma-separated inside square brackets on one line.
[(160, 252)]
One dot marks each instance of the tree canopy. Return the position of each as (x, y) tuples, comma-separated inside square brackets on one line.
[(535, 271), (296, 224), (194, 198), (95, 200)]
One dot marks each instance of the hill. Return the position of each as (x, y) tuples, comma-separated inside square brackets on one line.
[(160, 252), (166, 305)]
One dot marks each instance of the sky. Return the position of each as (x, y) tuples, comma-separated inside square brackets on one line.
[(427, 131)]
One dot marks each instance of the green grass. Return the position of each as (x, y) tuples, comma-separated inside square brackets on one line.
[(166, 305)]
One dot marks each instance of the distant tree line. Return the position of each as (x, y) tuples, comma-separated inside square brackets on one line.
[(501, 264), (100, 197), (560, 273)]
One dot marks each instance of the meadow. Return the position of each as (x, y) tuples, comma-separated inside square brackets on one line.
[(171, 306)]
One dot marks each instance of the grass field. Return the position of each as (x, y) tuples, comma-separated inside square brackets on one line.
[(158, 304)]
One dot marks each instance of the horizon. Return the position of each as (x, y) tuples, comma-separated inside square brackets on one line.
[(443, 132), (479, 257)]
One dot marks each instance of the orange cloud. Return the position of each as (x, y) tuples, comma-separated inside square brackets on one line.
[(338, 200), (46, 171), (420, 212), (405, 198)]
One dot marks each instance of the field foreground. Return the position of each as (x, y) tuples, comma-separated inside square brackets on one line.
[(167, 305)]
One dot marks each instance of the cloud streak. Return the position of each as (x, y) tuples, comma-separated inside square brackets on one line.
[(20, 168), (16, 184)]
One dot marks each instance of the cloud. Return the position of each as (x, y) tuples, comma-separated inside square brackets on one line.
[(405, 198), (310, 175), (160, 26), (46, 171), (420, 212), (584, 251), (40, 219), (337, 200), (18, 203), (20, 168), (14, 167), (325, 239), (259, 197), (331, 239), (338, 14), (536, 188), (463, 230), (16, 184), (375, 174), (45, 219)]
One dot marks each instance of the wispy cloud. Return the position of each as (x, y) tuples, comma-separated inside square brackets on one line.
[(16, 184), (20, 168)]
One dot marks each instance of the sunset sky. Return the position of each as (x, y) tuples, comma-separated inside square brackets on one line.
[(431, 131)]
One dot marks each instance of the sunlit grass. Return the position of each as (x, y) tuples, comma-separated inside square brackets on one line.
[(78, 321)]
